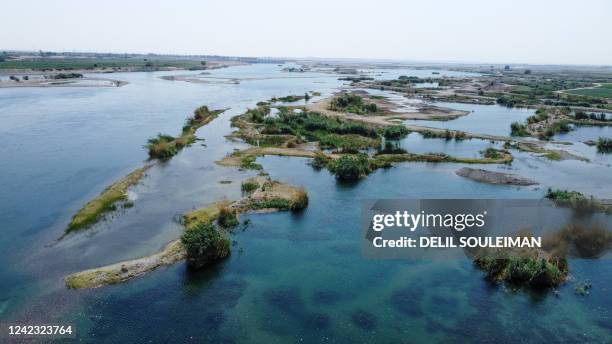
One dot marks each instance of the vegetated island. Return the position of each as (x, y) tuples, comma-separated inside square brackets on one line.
[(338, 143), (162, 147), (203, 241), (546, 267), (165, 146), (578, 201)]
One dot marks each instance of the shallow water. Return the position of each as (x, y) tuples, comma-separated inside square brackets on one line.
[(292, 276), (482, 119)]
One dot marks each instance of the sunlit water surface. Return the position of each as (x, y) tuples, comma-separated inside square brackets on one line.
[(291, 276)]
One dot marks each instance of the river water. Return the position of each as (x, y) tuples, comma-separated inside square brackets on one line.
[(291, 276)]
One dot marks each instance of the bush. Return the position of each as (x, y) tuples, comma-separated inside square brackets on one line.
[(258, 114), (162, 147), (248, 163), (228, 218), (204, 243), (351, 167), (352, 103), (392, 148), (249, 186), (491, 153), (68, 76), (604, 145), (300, 201), (395, 132), (320, 160), (518, 129)]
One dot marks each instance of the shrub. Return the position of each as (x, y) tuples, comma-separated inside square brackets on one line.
[(491, 153), (227, 218), (320, 160), (162, 147), (604, 145), (351, 167), (352, 103), (258, 114), (248, 163), (204, 243), (249, 186), (518, 129), (300, 201), (395, 132), (392, 148)]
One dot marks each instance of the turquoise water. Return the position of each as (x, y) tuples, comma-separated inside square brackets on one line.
[(291, 276)]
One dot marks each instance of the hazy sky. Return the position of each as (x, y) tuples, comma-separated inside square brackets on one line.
[(534, 31)]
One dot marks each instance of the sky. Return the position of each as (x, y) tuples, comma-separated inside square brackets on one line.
[(488, 31)]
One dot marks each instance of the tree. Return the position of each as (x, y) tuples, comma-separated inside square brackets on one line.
[(204, 243)]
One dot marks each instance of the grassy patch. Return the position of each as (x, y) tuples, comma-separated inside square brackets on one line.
[(228, 217), (249, 186), (164, 147), (518, 129), (352, 103), (578, 201), (395, 132), (247, 162), (522, 268), (604, 145), (105, 202), (602, 91)]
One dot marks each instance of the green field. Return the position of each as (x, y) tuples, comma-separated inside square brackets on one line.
[(91, 63), (602, 91)]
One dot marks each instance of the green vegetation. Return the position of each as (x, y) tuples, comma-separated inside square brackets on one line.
[(581, 115), (508, 101), (578, 201), (601, 91), (67, 76), (354, 166), (329, 132), (274, 203), (395, 132), (320, 160), (204, 244), (247, 162), (604, 145), (228, 217), (164, 146), (502, 157), (540, 115), (446, 134), (45, 64), (392, 148), (531, 269), (290, 98), (355, 78), (105, 202), (352, 103), (258, 114), (491, 153), (275, 195), (551, 130), (249, 186)]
